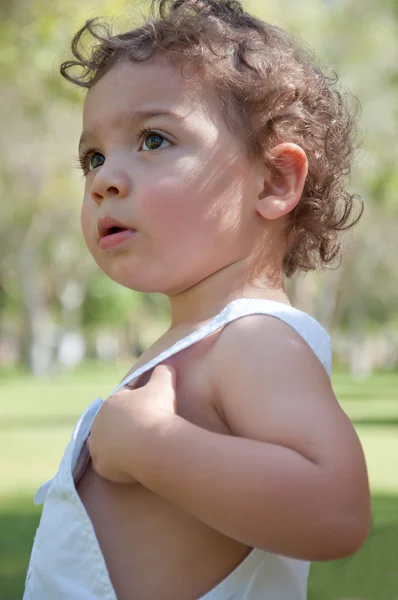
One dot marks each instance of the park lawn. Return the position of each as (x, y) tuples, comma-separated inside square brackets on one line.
[(37, 418)]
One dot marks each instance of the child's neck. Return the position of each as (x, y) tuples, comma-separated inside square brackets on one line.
[(208, 297)]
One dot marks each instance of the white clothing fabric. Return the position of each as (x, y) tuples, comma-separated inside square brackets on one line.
[(66, 560)]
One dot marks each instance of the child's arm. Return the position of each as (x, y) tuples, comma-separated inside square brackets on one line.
[(294, 479)]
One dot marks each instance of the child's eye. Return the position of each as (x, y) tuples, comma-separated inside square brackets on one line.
[(88, 160), (152, 140), (95, 160)]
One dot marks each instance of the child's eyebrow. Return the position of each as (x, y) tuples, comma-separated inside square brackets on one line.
[(134, 117)]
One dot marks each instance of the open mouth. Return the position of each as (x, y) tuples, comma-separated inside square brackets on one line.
[(114, 236), (112, 230)]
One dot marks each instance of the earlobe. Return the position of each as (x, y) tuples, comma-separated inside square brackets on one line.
[(284, 187)]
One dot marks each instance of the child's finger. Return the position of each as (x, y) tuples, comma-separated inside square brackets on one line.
[(164, 375)]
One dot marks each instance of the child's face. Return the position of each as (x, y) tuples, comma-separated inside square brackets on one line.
[(185, 190)]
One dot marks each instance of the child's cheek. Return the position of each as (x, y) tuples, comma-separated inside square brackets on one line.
[(172, 199), (159, 204), (86, 223)]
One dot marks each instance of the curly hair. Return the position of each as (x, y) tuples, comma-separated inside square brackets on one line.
[(270, 87)]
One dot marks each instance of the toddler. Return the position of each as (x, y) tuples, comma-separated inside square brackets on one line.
[(215, 155)]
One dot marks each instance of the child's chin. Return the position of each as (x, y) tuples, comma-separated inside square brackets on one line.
[(141, 280)]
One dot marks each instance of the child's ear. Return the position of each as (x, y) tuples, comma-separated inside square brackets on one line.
[(281, 191)]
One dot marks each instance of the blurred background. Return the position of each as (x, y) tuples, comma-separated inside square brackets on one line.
[(67, 334)]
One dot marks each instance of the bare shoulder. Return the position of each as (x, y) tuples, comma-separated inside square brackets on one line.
[(269, 334), (270, 386), (264, 344)]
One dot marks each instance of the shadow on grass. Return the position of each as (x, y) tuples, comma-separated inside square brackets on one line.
[(19, 519), (371, 574)]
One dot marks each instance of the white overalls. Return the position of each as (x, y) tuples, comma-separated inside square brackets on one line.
[(66, 561)]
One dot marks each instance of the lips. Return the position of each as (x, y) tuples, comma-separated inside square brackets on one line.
[(113, 232)]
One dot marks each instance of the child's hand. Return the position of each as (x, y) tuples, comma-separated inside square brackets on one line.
[(123, 416)]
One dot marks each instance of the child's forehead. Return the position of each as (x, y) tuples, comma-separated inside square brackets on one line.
[(153, 81), (155, 86)]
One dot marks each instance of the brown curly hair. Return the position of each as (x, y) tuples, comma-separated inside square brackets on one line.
[(270, 87)]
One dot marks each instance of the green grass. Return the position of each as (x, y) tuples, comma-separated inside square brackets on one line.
[(36, 420)]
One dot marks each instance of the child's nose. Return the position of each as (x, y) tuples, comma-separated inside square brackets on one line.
[(109, 184)]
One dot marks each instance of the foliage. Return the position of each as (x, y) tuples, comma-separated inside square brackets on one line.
[(42, 253)]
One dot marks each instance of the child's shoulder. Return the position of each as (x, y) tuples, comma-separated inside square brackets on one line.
[(269, 380), (278, 334)]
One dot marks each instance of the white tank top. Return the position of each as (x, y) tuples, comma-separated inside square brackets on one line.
[(66, 561)]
